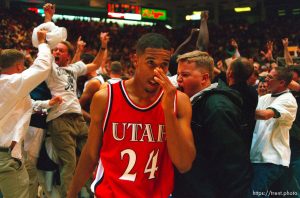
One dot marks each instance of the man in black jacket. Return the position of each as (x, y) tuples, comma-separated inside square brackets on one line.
[(222, 164), (237, 75)]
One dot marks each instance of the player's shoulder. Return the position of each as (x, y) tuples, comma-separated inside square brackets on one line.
[(102, 94), (182, 96)]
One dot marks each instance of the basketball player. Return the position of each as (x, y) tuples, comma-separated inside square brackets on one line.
[(139, 127)]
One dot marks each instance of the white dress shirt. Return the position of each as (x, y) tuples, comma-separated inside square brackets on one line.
[(15, 102)]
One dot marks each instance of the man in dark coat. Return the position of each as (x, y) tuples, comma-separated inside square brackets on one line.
[(222, 164)]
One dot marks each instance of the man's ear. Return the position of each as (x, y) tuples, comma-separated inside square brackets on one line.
[(205, 77), (282, 83), (135, 59), (19, 66)]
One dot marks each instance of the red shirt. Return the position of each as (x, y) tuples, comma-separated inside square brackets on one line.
[(134, 160)]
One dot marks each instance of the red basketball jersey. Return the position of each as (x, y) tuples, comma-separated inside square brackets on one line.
[(134, 160)]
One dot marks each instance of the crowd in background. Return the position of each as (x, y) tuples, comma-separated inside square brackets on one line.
[(16, 27)]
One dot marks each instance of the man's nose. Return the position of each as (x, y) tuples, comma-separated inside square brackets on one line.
[(179, 79)]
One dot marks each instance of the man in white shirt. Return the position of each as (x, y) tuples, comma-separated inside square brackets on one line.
[(270, 149), (15, 113), (66, 124)]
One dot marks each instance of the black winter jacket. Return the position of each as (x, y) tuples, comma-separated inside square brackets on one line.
[(222, 166)]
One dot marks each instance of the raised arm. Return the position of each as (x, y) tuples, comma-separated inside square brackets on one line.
[(40, 68), (49, 10), (203, 36), (79, 50), (99, 57), (90, 153), (236, 47), (269, 55), (183, 47), (180, 141), (287, 56)]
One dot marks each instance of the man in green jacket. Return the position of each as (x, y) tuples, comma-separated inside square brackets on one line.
[(222, 164)]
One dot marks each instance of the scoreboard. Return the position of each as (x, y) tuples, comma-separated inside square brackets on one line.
[(123, 8), (134, 12), (124, 11)]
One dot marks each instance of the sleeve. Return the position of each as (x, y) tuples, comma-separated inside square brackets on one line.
[(286, 106), (36, 73), (79, 68), (39, 105)]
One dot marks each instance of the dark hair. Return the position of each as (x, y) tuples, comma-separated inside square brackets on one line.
[(9, 57), (285, 74), (152, 40), (87, 58), (70, 48), (241, 69), (116, 67)]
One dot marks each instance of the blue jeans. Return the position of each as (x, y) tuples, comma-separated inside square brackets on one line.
[(289, 181), (295, 163), (264, 175)]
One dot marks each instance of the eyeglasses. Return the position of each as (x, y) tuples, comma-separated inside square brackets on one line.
[(270, 77)]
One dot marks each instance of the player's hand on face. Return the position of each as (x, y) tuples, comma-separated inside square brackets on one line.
[(169, 89)]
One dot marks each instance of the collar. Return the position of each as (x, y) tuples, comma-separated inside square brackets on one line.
[(280, 93), (212, 86)]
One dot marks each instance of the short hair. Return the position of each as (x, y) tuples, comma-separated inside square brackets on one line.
[(152, 40), (116, 67), (70, 47), (241, 69), (9, 57), (285, 74), (202, 60)]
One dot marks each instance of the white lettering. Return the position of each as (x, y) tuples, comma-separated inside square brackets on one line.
[(147, 133)]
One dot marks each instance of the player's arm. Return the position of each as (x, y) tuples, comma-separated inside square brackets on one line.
[(91, 88), (90, 153), (180, 141)]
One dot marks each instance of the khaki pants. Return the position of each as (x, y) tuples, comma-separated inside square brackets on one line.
[(68, 132), (14, 181), (30, 165), (32, 145)]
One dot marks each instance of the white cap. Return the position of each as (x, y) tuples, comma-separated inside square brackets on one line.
[(54, 35)]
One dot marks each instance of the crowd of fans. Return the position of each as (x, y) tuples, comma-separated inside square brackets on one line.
[(16, 27)]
